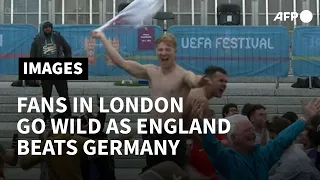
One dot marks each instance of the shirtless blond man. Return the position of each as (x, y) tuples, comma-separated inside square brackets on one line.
[(168, 80)]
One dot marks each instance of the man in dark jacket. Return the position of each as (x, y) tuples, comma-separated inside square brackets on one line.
[(50, 44)]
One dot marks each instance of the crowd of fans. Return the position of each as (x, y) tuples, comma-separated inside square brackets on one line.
[(285, 151), (296, 151), (286, 147)]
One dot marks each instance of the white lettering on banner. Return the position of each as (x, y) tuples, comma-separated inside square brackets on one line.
[(226, 43), (244, 43), (196, 43), (315, 43), (1, 40)]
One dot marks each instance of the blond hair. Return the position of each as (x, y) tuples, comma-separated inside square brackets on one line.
[(168, 39)]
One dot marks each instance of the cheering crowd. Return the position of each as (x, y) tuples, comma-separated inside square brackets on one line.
[(256, 148)]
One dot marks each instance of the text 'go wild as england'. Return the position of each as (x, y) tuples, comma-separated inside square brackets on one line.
[(67, 126)]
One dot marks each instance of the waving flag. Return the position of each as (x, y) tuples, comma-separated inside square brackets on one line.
[(139, 12)]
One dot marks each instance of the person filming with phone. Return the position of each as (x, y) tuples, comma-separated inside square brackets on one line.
[(9, 157)]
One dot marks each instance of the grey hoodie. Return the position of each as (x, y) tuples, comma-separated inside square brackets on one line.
[(294, 165)]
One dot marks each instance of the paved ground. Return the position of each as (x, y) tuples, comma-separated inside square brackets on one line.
[(111, 85), (108, 88), (288, 79)]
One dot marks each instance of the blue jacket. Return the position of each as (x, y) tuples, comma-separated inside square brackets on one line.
[(236, 166)]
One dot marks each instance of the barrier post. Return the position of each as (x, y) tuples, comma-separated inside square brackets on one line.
[(192, 13), (267, 12), (255, 12), (2, 10), (40, 12), (51, 7), (318, 13), (305, 6), (101, 12), (244, 12), (204, 12), (11, 13), (114, 3), (280, 9), (295, 10), (165, 27), (62, 12), (178, 10), (267, 24), (90, 11), (216, 12)]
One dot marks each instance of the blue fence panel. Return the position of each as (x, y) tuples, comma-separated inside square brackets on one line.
[(306, 51), (133, 43), (15, 42), (241, 50), (75, 35)]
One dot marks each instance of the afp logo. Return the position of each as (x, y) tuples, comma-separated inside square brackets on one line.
[(306, 16)]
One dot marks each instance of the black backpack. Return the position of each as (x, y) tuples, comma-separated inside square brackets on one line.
[(30, 83)]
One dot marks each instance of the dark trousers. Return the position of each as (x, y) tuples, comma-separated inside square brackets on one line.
[(62, 90), (180, 158)]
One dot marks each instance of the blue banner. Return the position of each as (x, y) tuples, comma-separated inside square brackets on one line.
[(241, 50), (15, 42), (132, 43), (306, 51)]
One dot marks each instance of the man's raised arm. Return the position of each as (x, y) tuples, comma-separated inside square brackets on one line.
[(134, 68), (274, 149), (216, 152)]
